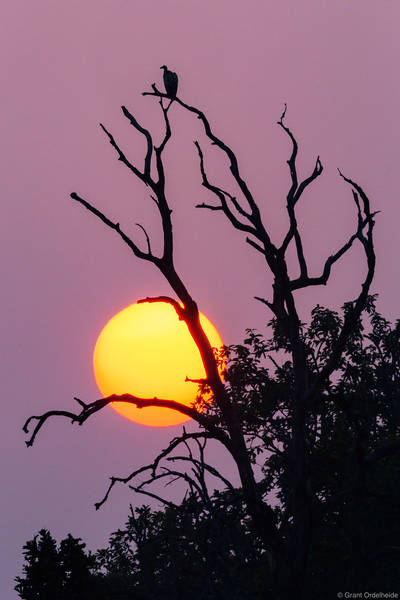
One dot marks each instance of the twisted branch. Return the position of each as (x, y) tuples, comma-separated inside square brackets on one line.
[(89, 409)]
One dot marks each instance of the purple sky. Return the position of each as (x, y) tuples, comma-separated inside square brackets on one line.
[(68, 65)]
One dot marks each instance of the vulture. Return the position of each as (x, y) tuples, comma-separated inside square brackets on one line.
[(170, 82)]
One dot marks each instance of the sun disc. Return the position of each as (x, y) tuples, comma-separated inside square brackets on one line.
[(146, 351)]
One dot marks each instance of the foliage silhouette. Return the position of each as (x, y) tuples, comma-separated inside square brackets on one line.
[(204, 548), (309, 410), (62, 573)]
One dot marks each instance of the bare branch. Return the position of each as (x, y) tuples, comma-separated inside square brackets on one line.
[(123, 159), (306, 182), (359, 304), (232, 198), (146, 133), (189, 313), (116, 227), (199, 381), (81, 403), (305, 281), (93, 407), (221, 194), (167, 135), (168, 473), (255, 245), (297, 189), (41, 419), (194, 485), (361, 192), (138, 490), (292, 160), (152, 467), (209, 206), (264, 301), (293, 196), (114, 480), (156, 92), (187, 445), (166, 299), (206, 466), (234, 168), (183, 439), (147, 238), (161, 202)]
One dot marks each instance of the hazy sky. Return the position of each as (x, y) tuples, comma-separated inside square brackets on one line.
[(65, 67)]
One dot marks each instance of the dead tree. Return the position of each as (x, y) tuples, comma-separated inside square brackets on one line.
[(244, 215)]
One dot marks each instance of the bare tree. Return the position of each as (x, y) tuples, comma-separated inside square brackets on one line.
[(244, 215)]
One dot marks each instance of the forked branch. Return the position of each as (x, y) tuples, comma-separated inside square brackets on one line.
[(152, 467), (253, 215), (222, 196), (146, 133), (116, 227), (364, 234), (293, 197)]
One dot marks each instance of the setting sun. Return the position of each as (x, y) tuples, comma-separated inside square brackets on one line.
[(146, 351)]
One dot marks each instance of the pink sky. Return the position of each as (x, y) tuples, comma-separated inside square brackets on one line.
[(68, 65)]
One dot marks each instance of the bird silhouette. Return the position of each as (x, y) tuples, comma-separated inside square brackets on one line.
[(170, 82)]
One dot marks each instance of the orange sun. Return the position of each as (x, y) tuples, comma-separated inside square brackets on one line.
[(146, 351)]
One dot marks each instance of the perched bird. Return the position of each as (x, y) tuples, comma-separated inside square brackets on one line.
[(170, 82)]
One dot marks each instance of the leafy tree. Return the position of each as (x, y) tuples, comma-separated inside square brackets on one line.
[(352, 430), (205, 548), (63, 573), (43, 572), (76, 567), (318, 425), (190, 550)]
